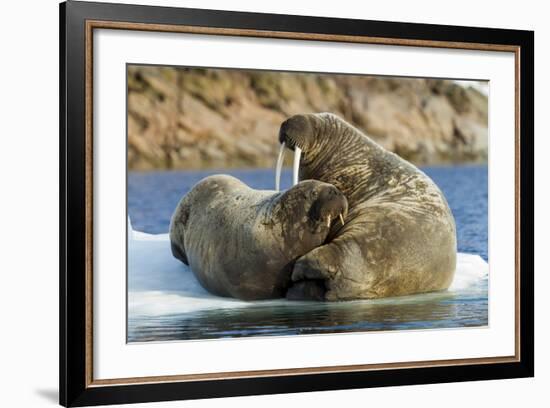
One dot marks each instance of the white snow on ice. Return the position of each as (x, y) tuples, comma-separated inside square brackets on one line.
[(159, 284)]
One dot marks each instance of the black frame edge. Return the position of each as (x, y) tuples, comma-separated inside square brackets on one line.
[(72, 387), (300, 383), (62, 208), (296, 23), (527, 194), (72, 207)]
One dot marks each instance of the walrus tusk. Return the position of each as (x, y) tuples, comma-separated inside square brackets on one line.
[(341, 219), (279, 167), (328, 221), (296, 165)]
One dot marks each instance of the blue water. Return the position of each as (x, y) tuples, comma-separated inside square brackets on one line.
[(152, 197)]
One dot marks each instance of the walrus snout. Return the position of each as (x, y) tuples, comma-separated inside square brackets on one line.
[(331, 205), (295, 131), (294, 134)]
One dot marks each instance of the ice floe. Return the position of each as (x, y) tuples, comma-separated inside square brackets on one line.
[(159, 284)]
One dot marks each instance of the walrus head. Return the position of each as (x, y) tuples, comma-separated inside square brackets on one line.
[(329, 205), (320, 204), (300, 133)]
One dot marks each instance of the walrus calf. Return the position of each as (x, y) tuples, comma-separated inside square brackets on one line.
[(241, 242), (400, 235)]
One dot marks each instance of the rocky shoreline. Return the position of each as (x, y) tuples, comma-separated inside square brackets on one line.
[(190, 118)]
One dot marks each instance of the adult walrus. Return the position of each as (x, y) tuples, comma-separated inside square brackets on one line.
[(241, 242), (400, 235)]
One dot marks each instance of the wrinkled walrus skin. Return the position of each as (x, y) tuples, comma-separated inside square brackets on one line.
[(241, 242), (399, 237)]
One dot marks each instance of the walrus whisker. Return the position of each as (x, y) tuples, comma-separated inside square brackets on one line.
[(296, 165), (279, 167), (341, 219)]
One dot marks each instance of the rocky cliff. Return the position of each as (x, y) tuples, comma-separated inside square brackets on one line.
[(197, 118)]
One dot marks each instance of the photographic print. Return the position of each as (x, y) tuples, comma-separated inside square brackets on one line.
[(267, 203), (232, 183)]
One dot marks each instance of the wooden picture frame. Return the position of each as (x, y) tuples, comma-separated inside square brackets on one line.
[(78, 20)]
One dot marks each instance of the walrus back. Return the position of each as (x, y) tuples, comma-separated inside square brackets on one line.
[(400, 234), (215, 229)]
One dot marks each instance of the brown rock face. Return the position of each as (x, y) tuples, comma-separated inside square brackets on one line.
[(189, 118)]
